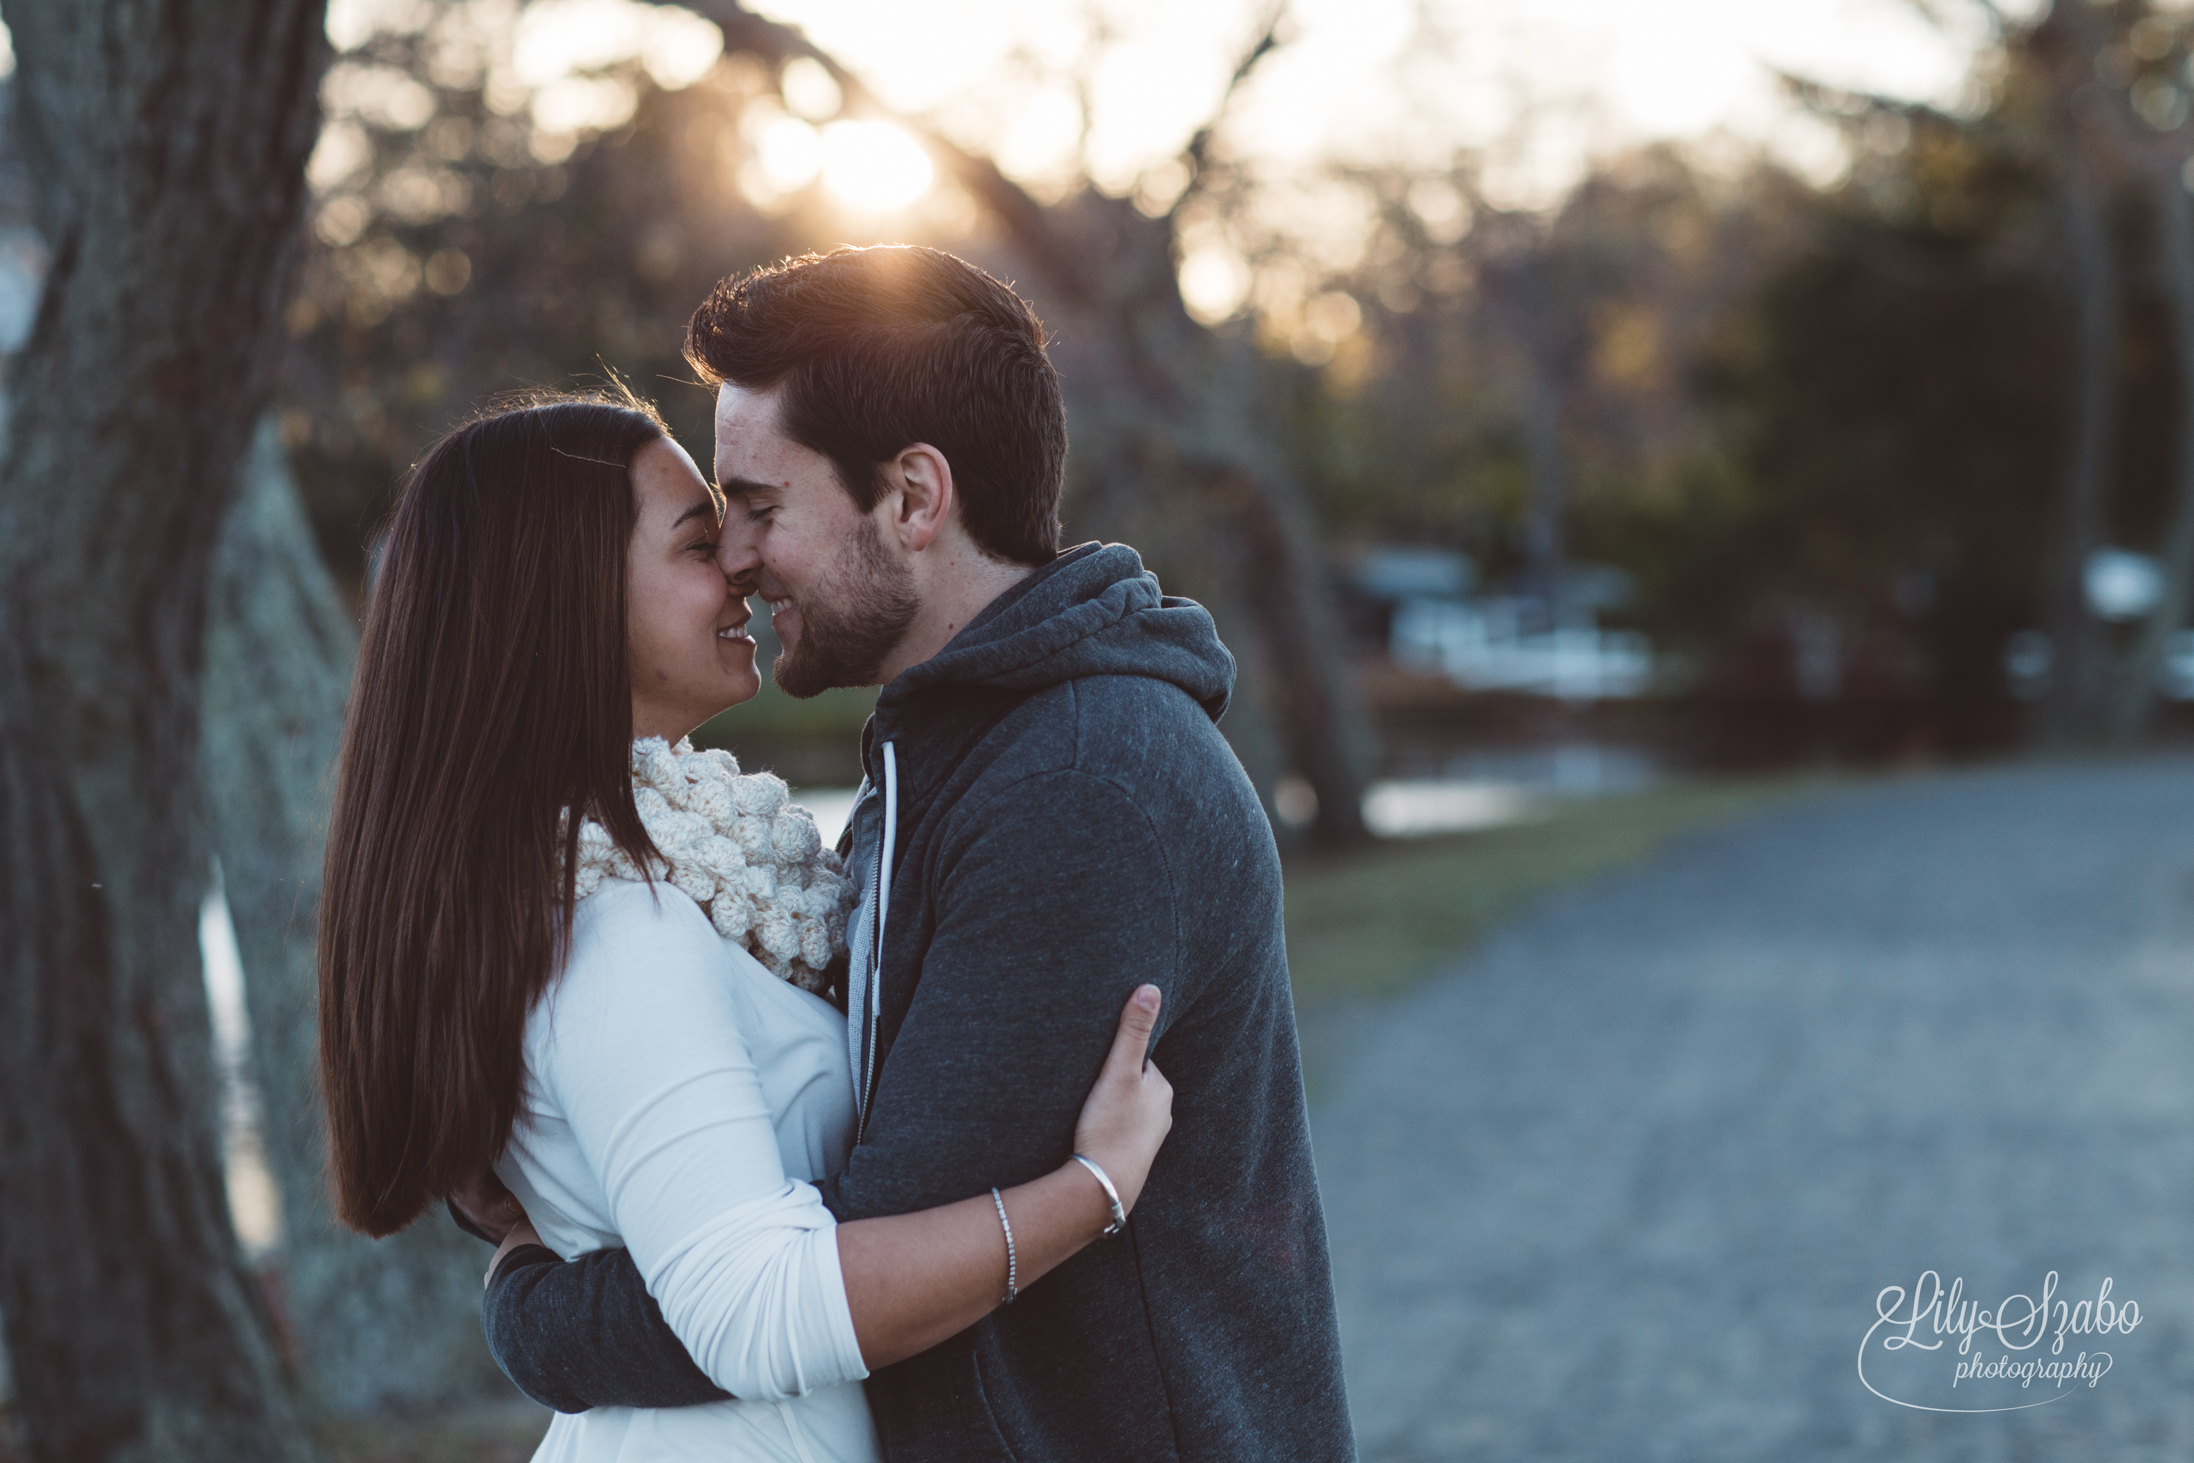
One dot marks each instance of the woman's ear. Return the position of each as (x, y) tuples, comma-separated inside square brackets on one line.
[(926, 497)]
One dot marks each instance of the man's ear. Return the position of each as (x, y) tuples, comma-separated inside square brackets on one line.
[(926, 496)]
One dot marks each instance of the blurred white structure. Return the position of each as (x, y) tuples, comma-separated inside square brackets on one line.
[(255, 1206), (2122, 585), (1504, 642), (22, 279), (2027, 657), (1414, 809), (1483, 645), (1410, 572)]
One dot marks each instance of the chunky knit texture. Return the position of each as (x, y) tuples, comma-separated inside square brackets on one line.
[(737, 846)]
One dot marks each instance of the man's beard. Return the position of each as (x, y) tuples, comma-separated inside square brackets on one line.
[(859, 617)]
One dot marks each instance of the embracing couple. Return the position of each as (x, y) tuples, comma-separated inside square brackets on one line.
[(824, 1155)]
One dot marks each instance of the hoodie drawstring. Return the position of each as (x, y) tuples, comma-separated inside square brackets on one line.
[(874, 993)]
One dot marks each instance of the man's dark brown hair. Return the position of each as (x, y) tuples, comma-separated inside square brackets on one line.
[(880, 348), (492, 701)]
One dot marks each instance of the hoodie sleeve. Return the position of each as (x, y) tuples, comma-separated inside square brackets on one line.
[(586, 1333), (1054, 901)]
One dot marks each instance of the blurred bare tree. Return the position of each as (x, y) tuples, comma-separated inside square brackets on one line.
[(440, 219), (1166, 412), (2062, 52), (2090, 100), (165, 142)]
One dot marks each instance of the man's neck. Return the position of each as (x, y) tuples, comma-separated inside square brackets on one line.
[(954, 598)]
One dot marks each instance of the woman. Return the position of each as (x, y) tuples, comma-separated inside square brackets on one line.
[(525, 961)]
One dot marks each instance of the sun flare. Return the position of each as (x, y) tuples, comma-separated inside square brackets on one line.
[(874, 167)]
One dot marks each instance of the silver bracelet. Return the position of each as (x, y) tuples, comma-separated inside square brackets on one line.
[(1013, 1268), (1112, 1196)]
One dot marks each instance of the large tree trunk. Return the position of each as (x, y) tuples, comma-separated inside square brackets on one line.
[(377, 1324), (1546, 543), (2070, 713), (2074, 711), (1163, 403), (166, 140), (2135, 695)]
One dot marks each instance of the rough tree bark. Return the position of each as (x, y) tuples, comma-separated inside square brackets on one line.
[(1546, 542), (376, 1324), (2072, 713), (1167, 398), (2133, 700), (166, 141), (1522, 294)]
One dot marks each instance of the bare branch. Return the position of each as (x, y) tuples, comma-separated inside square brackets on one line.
[(1196, 156), (1044, 246), (1935, 13), (1845, 104)]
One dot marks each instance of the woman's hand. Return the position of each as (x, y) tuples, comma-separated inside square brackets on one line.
[(485, 1209), (913, 1280), (521, 1233), (1130, 1110)]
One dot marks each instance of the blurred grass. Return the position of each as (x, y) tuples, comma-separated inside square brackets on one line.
[(1366, 926), (772, 716)]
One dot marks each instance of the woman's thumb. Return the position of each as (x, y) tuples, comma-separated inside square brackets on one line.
[(1138, 1019)]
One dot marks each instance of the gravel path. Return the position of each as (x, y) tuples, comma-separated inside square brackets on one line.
[(1625, 1185)]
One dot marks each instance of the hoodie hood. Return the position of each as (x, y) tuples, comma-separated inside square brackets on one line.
[(1093, 611)]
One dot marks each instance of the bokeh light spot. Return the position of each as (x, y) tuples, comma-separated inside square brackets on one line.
[(874, 167)]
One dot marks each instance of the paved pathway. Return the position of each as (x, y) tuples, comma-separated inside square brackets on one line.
[(1625, 1185)]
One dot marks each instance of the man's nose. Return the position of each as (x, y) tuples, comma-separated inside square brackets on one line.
[(737, 554)]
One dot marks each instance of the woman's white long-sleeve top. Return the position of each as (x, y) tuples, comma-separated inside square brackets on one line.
[(679, 1101)]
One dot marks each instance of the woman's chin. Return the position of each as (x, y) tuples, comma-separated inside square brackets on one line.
[(747, 688)]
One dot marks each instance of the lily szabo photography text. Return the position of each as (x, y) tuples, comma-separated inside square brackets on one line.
[(1932, 1317), (931, 731)]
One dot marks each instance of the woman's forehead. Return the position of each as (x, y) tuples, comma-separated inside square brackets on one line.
[(669, 486)]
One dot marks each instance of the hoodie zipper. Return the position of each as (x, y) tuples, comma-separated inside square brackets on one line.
[(874, 995)]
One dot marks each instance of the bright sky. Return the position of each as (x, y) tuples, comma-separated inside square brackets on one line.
[(1360, 77), (1550, 81), (1541, 86)]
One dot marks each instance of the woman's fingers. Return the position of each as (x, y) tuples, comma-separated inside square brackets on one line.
[(1131, 1042), (491, 1208), (521, 1233)]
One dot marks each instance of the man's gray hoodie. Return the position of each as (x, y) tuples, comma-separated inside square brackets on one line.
[(1066, 823)]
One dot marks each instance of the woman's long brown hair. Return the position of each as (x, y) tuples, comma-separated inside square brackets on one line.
[(492, 693)]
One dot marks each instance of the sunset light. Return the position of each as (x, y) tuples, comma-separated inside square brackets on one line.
[(873, 167)]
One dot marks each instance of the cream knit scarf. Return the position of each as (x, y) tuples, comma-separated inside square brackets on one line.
[(752, 861)]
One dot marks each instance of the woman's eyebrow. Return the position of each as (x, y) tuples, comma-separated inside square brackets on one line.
[(704, 506)]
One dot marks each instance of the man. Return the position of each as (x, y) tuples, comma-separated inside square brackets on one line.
[(1049, 818)]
